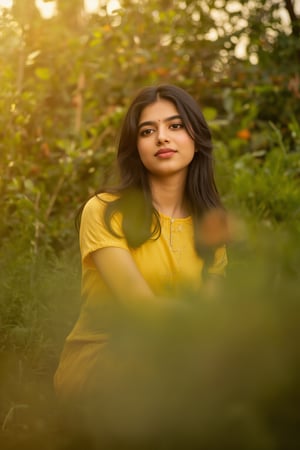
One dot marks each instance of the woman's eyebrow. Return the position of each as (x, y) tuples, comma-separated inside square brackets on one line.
[(152, 122)]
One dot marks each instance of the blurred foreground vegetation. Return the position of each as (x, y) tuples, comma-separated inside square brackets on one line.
[(224, 374)]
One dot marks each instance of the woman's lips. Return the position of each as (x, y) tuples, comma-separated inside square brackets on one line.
[(165, 153)]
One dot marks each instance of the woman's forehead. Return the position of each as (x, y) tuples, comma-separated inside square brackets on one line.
[(158, 111)]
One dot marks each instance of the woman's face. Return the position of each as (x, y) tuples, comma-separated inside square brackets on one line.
[(163, 143)]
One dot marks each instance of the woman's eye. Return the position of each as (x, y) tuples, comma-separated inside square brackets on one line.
[(176, 126), (146, 132)]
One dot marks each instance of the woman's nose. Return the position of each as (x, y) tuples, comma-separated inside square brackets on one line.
[(162, 136)]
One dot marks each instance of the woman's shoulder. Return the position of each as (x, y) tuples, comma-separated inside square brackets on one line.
[(100, 199), (96, 204)]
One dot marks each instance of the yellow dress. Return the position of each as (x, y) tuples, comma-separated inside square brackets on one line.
[(168, 264)]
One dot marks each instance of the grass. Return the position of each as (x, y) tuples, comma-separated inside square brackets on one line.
[(204, 374), (39, 301)]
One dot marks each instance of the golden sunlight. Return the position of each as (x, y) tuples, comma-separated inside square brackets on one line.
[(91, 6), (6, 3), (48, 9)]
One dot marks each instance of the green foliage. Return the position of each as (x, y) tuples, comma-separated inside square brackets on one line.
[(66, 82), (39, 299), (263, 185), (188, 372)]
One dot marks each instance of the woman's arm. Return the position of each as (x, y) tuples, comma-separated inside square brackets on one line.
[(120, 274)]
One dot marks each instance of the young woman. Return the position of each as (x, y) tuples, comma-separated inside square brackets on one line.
[(142, 242)]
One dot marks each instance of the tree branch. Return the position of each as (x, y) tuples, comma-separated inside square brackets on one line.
[(295, 21)]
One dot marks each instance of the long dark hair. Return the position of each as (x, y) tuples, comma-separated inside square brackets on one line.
[(134, 196)]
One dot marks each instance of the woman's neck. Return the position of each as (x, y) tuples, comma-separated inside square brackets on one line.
[(168, 196)]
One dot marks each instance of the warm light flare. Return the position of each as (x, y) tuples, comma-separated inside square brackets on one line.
[(6, 3), (48, 9), (91, 6)]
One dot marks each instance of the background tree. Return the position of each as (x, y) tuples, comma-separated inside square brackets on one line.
[(67, 80)]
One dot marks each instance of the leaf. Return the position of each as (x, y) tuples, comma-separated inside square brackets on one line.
[(29, 186), (43, 73), (31, 57), (209, 113)]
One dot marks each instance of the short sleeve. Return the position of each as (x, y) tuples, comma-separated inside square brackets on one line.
[(94, 234), (220, 262)]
